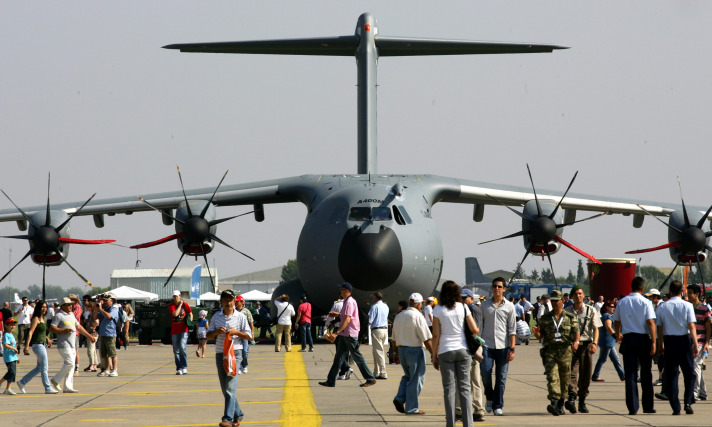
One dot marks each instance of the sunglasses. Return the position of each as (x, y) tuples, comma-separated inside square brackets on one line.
[(498, 287)]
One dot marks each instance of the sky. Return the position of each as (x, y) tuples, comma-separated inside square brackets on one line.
[(88, 94)]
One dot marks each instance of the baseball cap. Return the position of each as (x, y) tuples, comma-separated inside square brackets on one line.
[(466, 293), (347, 286), (176, 293), (431, 299), (545, 296), (555, 295), (416, 297), (10, 321), (227, 293), (239, 298), (107, 295)]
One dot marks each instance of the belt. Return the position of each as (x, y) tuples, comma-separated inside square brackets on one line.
[(380, 327)]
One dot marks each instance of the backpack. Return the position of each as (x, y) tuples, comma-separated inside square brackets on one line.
[(121, 321)]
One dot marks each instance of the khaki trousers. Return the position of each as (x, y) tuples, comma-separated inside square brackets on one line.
[(285, 330), (476, 389), (379, 340)]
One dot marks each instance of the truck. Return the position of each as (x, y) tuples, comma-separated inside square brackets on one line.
[(154, 322)]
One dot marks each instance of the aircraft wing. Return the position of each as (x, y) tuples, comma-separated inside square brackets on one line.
[(452, 190), (287, 190)]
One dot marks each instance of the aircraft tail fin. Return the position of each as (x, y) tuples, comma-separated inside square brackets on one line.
[(17, 299), (327, 46), (404, 46)]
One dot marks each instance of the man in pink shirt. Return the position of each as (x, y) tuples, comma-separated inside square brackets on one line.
[(347, 340), (77, 311)]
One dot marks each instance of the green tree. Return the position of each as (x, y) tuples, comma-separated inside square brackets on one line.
[(547, 276), (580, 274), (290, 271), (570, 277), (534, 276), (519, 272), (652, 275)]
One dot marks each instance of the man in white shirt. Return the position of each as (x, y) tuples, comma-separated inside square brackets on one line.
[(598, 304), (499, 332), (428, 312), (378, 322), (65, 325), (635, 329), (676, 324), (23, 322), (285, 312), (410, 333)]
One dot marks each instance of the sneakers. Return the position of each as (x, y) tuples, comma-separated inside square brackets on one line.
[(311, 350), (113, 374), (21, 386), (341, 377), (184, 371), (55, 384), (239, 371), (9, 392), (103, 374), (658, 382), (488, 406), (348, 374), (179, 372), (51, 391), (70, 390), (303, 350), (244, 370), (498, 412)]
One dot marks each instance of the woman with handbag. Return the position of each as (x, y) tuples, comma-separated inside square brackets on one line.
[(451, 351)]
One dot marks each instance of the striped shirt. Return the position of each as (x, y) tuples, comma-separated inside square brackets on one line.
[(236, 321), (702, 315)]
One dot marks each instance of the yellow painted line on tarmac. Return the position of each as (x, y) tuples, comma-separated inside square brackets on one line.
[(138, 393), (132, 406), (213, 423), (106, 419), (298, 407)]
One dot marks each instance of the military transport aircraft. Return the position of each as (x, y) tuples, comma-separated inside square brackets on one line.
[(372, 229)]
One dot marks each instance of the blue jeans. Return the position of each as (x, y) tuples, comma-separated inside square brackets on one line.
[(179, 343), (344, 347), (413, 363), (491, 357), (605, 353), (41, 368), (305, 331), (228, 385), (245, 353)]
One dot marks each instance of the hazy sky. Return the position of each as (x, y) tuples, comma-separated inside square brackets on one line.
[(87, 93)]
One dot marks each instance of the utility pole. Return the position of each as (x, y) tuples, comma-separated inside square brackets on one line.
[(9, 264)]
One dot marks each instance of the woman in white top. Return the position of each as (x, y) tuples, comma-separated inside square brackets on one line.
[(450, 349)]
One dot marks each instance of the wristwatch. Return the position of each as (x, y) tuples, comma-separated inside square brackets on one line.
[(576, 342), (595, 343)]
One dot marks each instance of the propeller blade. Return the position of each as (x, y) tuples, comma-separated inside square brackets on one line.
[(18, 263), (526, 254), (684, 209), (157, 242), (562, 197), (174, 269), (74, 269), (518, 233), (701, 222), (84, 242), (708, 247), (205, 257), (657, 248), (575, 249), (21, 237), (72, 215), (508, 207), (47, 216), (24, 215), (219, 240), (566, 224), (187, 205), (661, 221), (205, 209), (219, 221), (538, 207), (702, 276), (551, 264), (159, 210), (669, 276)]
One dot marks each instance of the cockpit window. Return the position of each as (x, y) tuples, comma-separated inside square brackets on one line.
[(360, 214), (405, 215), (381, 214)]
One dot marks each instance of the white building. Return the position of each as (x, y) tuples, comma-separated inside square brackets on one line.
[(153, 279), (263, 280)]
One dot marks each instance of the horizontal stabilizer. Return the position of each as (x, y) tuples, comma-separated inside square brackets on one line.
[(404, 46), (328, 46)]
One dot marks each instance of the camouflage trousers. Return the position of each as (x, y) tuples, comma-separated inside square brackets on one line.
[(557, 364)]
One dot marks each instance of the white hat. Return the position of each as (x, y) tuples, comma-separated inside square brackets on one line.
[(431, 299), (653, 292), (176, 293), (66, 300), (416, 298)]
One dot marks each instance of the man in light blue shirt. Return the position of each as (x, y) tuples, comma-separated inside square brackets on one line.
[(378, 322), (635, 329), (676, 323)]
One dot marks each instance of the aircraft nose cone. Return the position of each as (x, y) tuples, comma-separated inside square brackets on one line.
[(370, 261), (45, 240), (693, 240)]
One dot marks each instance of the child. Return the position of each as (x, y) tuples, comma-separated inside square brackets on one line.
[(203, 325), (9, 345)]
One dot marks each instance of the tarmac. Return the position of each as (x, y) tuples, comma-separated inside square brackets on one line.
[(282, 389)]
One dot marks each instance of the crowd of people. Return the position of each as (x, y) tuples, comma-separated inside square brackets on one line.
[(471, 341)]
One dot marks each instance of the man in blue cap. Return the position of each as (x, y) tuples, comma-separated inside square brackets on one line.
[(347, 340)]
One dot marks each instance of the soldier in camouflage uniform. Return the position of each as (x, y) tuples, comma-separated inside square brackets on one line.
[(559, 332)]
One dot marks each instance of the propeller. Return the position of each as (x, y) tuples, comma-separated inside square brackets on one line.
[(542, 228), (691, 238), (45, 239), (195, 229)]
